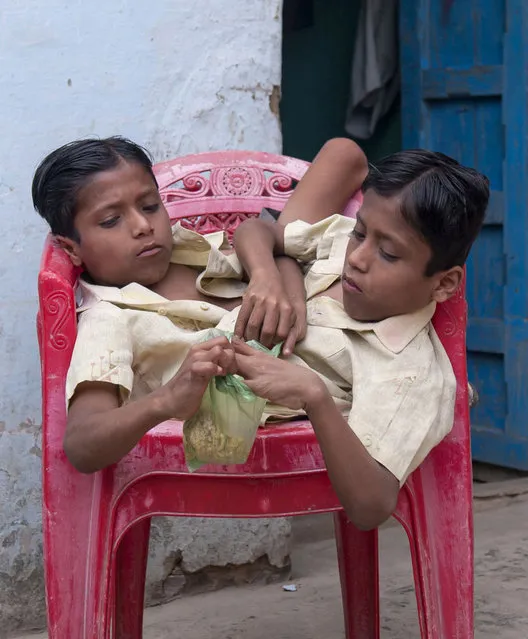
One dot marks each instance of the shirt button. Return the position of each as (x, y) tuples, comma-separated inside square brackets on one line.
[(204, 306), (162, 311), (367, 441)]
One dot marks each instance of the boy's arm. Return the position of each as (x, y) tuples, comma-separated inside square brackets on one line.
[(334, 176), (336, 173), (275, 310), (367, 490), (100, 432)]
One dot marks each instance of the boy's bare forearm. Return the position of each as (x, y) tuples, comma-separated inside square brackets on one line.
[(256, 243), (100, 432), (292, 279), (98, 439), (367, 490), (336, 173)]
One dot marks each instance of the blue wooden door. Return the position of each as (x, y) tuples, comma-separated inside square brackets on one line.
[(464, 92)]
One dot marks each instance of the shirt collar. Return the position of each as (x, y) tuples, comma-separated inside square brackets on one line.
[(131, 295), (395, 333)]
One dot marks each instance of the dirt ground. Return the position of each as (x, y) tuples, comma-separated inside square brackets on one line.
[(314, 610)]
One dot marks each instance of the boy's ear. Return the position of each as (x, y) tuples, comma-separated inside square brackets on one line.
[(71, 248), (447, 284)]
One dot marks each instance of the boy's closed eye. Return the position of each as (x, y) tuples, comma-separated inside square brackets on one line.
[(359, 236), (356, 234), (109, 222), (151, 208), (389, 257)]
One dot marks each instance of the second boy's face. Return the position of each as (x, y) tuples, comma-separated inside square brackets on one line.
[(124, 229), (385, 264)]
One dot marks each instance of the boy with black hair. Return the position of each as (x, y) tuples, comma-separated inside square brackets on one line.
[(372, 287)]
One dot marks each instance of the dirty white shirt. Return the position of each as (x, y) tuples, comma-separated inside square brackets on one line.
[(393, 378)]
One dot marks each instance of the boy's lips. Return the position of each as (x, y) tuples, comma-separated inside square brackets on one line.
[(149, 249), (350, 285)]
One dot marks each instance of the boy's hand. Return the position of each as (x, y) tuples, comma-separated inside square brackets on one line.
[(268, 315), (277, 381), (181, 396)]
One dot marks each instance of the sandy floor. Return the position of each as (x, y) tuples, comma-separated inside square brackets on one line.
[(261, 612)]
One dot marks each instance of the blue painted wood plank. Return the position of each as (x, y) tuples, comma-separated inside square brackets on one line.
[(486, 335), (516, 217), (516, 365), (490, 140), (451, 34), (489, 27), (499, 449), (477, 81), (486, 373), (495, 211), (516, 161), (413, 17), (486, 276)]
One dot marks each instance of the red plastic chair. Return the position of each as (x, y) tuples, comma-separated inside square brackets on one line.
[(96, 527)]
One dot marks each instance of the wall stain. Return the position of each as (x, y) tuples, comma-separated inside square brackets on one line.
[(274, 100)]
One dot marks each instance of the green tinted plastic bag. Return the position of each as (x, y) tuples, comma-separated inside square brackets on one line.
[(224, 428)]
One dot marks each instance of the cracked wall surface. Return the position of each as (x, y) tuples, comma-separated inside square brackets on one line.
[(178, 77)]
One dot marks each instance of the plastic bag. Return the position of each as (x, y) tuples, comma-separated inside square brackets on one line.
[(224, 428)]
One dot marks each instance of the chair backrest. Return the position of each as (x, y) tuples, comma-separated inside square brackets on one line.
[(210, 192)]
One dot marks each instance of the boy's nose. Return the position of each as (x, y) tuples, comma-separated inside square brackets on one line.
[(358, 258), (140, 224)]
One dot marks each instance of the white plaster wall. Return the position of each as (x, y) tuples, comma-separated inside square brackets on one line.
[(174, 75)]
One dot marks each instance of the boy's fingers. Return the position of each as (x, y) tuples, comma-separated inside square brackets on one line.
[(245, 366), (289, 342), (243, 317), (254, 323), (287, 321), (206, 369), (227, 361), (241, 348), (210, 344), (269, 327), (301, 322)]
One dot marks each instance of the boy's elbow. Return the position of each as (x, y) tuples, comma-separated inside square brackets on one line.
[(349, 153), (369, 514), (76, 457)]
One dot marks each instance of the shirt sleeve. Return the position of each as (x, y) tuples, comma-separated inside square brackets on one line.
[(309, 242), (103, 350), (401, 413)]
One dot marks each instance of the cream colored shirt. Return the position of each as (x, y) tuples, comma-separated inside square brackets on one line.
[(392, 378)]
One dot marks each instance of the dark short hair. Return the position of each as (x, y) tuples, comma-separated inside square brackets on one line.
[(63, 173), (442, 200)]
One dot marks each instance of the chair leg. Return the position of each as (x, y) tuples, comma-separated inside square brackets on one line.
[(68, 551), (357, 553), (443, 576), (131, 566)]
